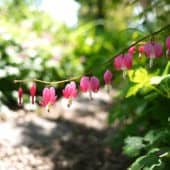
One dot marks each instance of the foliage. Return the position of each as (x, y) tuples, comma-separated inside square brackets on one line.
[(145, 111)]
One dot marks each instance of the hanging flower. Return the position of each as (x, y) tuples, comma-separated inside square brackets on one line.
[(107, 79), (48, 97), (153, 50), (33, 90), (70, 92), (118, 62), (94, 84), (168, 46), (20, 94), (85, 84), (89, 84), (123, 62), (141, 50), (132, 50)]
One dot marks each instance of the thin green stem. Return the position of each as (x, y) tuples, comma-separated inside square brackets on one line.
[(105, 63), (47, 82), (166, 69), (138, 41)]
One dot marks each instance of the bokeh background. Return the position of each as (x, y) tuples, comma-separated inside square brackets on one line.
[(52, 40)]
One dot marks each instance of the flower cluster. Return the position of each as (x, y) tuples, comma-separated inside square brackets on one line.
[(91, 84), (123, 62), (70, 92), (49, 97)]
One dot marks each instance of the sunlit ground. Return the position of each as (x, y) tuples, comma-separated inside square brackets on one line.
[(65, 138)]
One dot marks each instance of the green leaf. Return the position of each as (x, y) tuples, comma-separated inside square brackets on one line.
[(164, 85), (151, 136), (133, 145), (147, 162), (156, 136), (167, 68), (133, 90), (138, 76)]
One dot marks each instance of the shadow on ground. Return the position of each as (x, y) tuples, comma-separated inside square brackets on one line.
[(74, 138), (73, 146)]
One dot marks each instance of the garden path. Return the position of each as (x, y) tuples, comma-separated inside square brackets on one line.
[(64, 139)]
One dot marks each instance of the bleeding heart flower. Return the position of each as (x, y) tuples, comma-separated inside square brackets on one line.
[(94, 84), (20, 94), (33, 90), (108, 78), (118, 62), (85, 84), (70, 91), (48, 97), (132, 50), (89, 84), (123, 62), (153, 50), (141, 50), (127, 61)]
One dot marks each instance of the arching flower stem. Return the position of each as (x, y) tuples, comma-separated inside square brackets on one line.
[(105, 63)]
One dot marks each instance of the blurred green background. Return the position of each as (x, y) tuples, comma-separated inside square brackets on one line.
[(54, 40)]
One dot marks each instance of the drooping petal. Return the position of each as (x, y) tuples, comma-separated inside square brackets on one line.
[(158, 49), (67, 91), (148, 49), (118, 62), (44, 99), (141, 49), (70, 90), (46, 95), (52, 91), (153, 49), (94, 84), (73, 89), (107, 76), (53, 96), (84, 83), (127, 61), (132, 50), (20, 94), (33, 89)]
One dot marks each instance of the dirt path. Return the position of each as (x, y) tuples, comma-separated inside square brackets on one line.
[(64, 139)]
